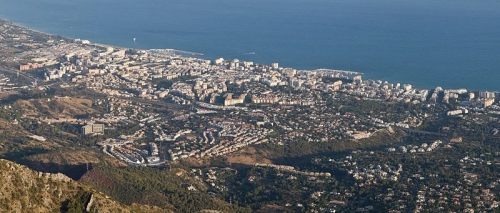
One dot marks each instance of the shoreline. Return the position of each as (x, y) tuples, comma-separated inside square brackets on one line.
[(201, 54), (49, 34), (28, 28)]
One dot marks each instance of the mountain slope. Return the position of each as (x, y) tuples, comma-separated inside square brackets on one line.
[(154, 186), (25, 190)]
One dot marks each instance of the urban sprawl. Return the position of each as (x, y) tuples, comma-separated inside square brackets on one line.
[(194, 108)]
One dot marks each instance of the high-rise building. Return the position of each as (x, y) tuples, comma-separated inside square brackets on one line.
[(93, 128), (357, 80), (87, 129), (486, 94), (274, 65), (219, 61)]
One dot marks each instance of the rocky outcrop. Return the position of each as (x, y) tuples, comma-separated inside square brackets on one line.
[(25, 190)]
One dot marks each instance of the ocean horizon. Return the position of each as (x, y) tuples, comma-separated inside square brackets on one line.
[(452, 44)]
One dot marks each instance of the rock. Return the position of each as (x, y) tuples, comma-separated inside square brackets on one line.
[(60, 177)]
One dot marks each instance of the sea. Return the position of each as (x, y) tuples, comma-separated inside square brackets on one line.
[(427, 43)]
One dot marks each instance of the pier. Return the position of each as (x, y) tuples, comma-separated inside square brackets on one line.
[(171, 52), (347, 72)]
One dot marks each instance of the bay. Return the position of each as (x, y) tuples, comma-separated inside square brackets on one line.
[(448, 43)]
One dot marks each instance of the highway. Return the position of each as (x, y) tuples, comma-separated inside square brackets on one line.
[(15, 72)]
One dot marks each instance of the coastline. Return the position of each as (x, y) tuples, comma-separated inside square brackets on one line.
[(27, 28), (194, 55), (49, 34)]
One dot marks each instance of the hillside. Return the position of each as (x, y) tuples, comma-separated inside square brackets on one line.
[(25, 190), (71, 161), (72, 156), (57, 107), (172, 189)]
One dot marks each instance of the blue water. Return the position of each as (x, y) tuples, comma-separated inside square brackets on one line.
[(428, 43)]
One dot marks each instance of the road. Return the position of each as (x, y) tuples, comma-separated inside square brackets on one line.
[(15, 72)]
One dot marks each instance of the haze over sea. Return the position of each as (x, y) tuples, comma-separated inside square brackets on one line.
[(428, 43)]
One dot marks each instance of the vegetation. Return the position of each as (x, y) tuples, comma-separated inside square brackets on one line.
[(154, 186), (76, 204), (305, 148), (24, 190)]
